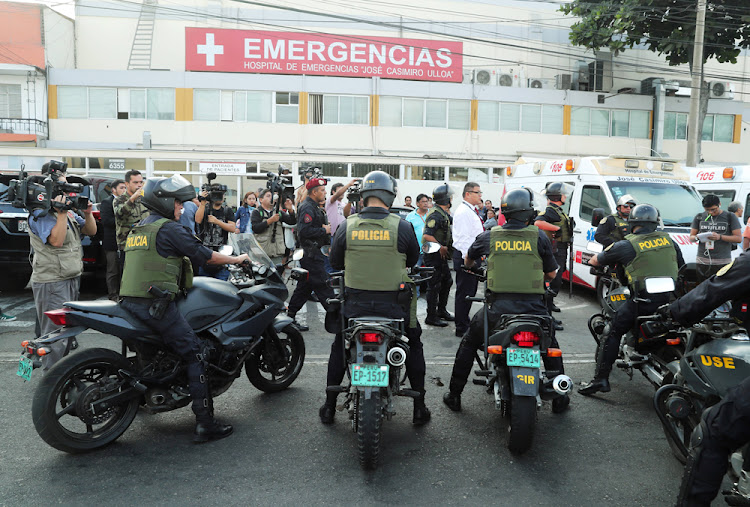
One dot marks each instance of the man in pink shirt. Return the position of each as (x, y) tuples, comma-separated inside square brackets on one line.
[(336, 210)]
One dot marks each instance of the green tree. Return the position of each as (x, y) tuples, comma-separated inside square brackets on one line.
[(666, 27)]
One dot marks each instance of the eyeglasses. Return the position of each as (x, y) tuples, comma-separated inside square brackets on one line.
[(712, 210), (474, 192)]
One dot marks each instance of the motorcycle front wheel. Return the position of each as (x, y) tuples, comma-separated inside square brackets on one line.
[(522, 423), (683, 427), (370, 418), (61, 409), (278, 361)]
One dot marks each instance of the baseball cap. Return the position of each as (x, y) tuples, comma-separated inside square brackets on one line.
[(315, 182)]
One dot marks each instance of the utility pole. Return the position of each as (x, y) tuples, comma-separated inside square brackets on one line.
[(695, 130)]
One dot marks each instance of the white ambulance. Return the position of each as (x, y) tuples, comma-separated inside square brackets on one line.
[(598, 182), (728, 183)]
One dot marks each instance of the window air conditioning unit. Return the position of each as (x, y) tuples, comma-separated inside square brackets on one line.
[(536, 82), (484, 77), (564, 81), (721, 90)]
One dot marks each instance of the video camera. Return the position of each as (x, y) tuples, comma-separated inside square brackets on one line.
[(38, 192), (280, 184), (310, 172), (355, 192), (215, 191)]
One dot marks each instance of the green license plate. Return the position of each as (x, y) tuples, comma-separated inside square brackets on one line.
[(370, 375), (523, 357), (25, 367)]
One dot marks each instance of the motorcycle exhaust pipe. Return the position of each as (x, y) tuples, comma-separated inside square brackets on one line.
[(396, 356), (562, 384)]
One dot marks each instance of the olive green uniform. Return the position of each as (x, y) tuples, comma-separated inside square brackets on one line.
[(438, 225)]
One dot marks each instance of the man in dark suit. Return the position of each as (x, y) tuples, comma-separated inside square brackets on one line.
[(109, 242)]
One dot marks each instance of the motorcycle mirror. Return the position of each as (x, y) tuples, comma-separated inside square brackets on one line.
[(298, 254), (597, 216), (595, 247), (226, 250), (325, 249), (430, 247), (659, 285)]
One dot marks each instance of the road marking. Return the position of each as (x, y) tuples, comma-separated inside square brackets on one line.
[(19, 307), (575, 307), (18, 323)]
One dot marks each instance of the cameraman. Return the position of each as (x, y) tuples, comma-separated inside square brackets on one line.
[(215, 221), (268, 233), (58, 261)]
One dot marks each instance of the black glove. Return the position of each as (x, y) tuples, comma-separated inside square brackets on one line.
[(664, 312)]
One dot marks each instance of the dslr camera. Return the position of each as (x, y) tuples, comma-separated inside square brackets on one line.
[(215, 191), (38, 192)]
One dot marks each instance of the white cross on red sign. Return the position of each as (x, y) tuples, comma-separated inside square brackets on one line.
[(210, 49)]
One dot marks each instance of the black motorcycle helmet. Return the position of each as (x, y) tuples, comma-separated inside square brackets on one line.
[(644, 215), (381, 185), (159, 194), (555, 190), (442, 194), (519, 205)]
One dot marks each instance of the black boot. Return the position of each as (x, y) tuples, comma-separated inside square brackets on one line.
[(453, 401), (301, 327), (599, 384), (434, 320), (211, 430), (446, 315), (422, 414), (327, 413)]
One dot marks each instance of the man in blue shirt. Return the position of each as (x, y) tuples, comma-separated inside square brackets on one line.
[(416, 219)]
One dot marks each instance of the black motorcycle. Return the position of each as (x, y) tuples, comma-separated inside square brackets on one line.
[(717, 358), (89, 398), (513, 369), (375, 349)]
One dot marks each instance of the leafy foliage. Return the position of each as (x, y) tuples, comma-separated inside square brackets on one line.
[(666, 27)]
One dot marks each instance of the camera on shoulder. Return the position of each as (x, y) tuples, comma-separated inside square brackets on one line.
[(215, 191), (39, 192), (281, 184)]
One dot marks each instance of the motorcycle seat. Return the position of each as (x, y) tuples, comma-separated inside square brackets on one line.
[(101, 307)]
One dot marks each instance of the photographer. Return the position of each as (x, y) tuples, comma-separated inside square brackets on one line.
[(268, 232), (215, 221), (55, 236)]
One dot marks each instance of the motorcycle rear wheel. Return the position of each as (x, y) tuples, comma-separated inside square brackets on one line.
[(60, 407), (683, 427), (274, 371), (370, 418), (522, 423)]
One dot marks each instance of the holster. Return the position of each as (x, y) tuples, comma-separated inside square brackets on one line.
[(160, 303)]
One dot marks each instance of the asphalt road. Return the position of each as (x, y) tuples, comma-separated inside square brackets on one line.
[(608, 449)]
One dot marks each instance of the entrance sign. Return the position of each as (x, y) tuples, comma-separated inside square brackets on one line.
[(225, 168), (266, 52)]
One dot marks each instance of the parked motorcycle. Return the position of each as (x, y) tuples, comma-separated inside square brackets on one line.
[(717, 357), (375, 349), (89, 398), (513, 368)]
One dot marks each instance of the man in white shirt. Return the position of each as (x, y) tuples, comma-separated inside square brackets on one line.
[(467, 225)]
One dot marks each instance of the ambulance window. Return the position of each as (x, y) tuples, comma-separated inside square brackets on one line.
[(592, 197), (725, 196)]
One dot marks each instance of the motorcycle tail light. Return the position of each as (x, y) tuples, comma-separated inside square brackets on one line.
[(370, 337), (553, 352), (526, 338), (25, 343), (58, 317), (42, 351), (495, 349), (674, 341)]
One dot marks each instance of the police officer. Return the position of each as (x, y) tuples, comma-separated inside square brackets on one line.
[(159, 253), (313, 232), (559, 228), (614, 227), (726, 426), (515, 283), (375, 247), (437, 229), (644, 253)]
